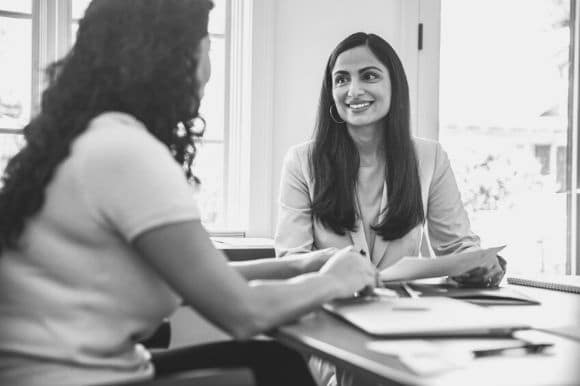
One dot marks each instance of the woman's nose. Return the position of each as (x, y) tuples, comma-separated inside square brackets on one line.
[(355, 89)]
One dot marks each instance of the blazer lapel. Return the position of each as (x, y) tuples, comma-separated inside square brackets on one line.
[(359, 241), (380, 247)]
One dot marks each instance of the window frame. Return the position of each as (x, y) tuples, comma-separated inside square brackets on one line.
[(51, 38), (573, 196)]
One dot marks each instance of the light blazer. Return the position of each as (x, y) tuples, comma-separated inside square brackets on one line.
[(447, 224)]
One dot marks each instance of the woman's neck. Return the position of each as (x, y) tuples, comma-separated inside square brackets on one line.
[(368, 141)]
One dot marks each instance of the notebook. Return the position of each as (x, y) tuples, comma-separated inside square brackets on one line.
[(554, 282), (421, 317), (481, 296)]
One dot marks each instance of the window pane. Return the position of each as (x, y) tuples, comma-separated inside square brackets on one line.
[(15, 72), (213, 102), (9, 145), (209, 167), (22, 6), (503, 121), (217, 18)]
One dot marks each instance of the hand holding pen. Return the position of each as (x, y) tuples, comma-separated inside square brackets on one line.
[(350, 272), (369, 290)]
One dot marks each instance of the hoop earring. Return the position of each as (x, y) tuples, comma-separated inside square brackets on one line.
[(332, 116)]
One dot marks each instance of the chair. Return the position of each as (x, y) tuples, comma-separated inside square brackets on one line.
[(202, 377), (161, 338), (205, 377)]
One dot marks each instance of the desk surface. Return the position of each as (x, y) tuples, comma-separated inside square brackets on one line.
[(327, 337), (245, 248)]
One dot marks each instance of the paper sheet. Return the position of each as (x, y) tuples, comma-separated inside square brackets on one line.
[(410, 267)]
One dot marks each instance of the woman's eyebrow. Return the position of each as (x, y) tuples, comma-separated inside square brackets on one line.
[(340, 72), (369, 68), (360, 71)]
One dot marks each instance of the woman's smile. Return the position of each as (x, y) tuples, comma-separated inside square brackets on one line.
[(359, 107)]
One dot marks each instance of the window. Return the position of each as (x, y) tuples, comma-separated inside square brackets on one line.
[(210, 162), (15, 73), (17, 80), (504, 120)]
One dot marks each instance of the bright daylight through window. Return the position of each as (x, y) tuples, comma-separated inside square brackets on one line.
[(504, 122), (16, 96), (15, 73)]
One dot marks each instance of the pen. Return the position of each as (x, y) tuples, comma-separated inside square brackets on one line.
[(368, 291), (532, 348), (411, 292)]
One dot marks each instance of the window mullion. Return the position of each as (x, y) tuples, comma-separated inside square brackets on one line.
[(50, 40), (237, 134), (573, 261)]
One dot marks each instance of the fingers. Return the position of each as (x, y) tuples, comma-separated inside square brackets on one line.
[(329, 251), (368, 289), (481, 277), (351, 271), (370, 275), (494, 277)]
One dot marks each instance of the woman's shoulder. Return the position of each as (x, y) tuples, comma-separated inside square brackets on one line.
[(110, 121), (426, 148), (300, 152), (114, 137), (425, 144), (303, 148), (430, 154), (114, 129)]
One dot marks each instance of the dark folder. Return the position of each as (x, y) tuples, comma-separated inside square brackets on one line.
[(481, 296)]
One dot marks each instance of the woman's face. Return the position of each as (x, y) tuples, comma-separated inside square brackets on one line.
[(204, 65), (361, 87)]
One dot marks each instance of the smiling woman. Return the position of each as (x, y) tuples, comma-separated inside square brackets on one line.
[(364, 180)]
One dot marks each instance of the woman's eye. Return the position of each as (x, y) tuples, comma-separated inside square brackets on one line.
[(340, 80), (370, 76)]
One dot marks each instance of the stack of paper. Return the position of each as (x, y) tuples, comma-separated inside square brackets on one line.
[(413, 267)]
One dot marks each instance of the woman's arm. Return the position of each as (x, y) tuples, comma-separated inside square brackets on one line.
[(184, 256), (294, 230), (449, 226), (448, 223), (288, 267)]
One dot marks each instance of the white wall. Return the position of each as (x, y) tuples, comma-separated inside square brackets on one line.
[(303, 33)]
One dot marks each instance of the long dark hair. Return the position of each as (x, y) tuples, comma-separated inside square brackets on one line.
[(335, 160), (134, 56)]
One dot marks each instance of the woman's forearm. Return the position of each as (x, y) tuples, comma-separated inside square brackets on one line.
[(284, 268), (270, 268), (300, 295)]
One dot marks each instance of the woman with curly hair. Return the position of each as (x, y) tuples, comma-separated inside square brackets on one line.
[(100, 237)]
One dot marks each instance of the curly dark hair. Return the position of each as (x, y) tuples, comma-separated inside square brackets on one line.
[(335, 161), (139, 57)]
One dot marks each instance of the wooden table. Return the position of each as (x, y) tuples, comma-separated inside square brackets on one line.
[(330, 338)]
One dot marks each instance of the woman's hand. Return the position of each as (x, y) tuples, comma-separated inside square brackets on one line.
[(485, 276), (313, 261), (350, 271)]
